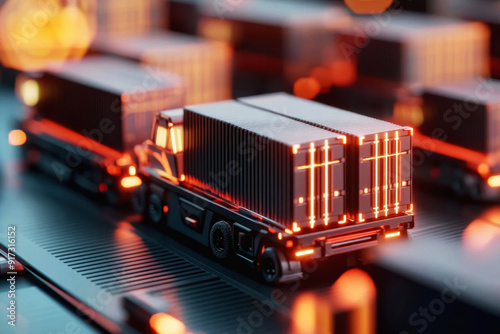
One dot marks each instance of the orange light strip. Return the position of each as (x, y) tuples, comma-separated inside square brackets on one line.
[(318, 165), (376, 176), (360, 218), (326, 147), (410, 210), (295, 149), (131, 182), (312, 218), (388, 156), (450, 150), (344, 220), (396, 208), (392, 235), (64, 134), (295, 227), (343, 138), (494, 181), (304, 252), (386, 175), (174, 139)]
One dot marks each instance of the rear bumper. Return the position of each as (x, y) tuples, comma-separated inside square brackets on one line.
[(354, 237)]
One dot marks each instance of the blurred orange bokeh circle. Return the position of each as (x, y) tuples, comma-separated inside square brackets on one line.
[(37, 33)]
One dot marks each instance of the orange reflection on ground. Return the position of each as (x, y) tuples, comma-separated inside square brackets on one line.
[(38, 33), (311, 314), (354, 294), (483, 233), (368, 6)]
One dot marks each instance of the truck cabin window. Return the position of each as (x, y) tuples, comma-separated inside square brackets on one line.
[(175, 141), (161, 136)]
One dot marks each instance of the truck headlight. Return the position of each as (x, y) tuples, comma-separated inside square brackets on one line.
[(28, 90)]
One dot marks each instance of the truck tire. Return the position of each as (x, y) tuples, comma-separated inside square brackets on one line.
[(111, 195), (270, 266), (139, 199), (155, 208), (221, 235)]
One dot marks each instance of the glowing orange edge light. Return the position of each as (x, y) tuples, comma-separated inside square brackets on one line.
[(393, 234), (163, 323), (131, 182), (305, 252)]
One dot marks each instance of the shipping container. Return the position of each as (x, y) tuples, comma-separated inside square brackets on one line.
[(415, 49), (466, 114), (487, 12), (204, 65), (111, 101), (378, 154), (130, 17), (283, 169), (269, 37)]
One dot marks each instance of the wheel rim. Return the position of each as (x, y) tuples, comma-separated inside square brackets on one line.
[(268, 268), (218, 241)]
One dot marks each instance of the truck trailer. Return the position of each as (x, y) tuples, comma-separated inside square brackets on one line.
[(276, 180), (456, 136), (83, 120)]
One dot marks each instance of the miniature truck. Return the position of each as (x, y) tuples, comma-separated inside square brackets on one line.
[(85, 118), (276, 180), (456, 136)]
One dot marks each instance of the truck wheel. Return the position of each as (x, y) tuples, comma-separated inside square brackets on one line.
[(139, 199), (220, 239), (270, 266), (155, 208), (111, 195)]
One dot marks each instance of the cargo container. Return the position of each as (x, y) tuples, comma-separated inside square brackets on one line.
[(273, 188), (204, 65), (378, 155), (487, 12), (130, 17), (415, 49), (457, 137), (268, 37), (86, 117)]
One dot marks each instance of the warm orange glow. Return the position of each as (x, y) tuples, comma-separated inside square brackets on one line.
[(289, 244), (454, 151), (312, 218), (361, 140), (183, 177), (408, 113), (393, 234), (295, 149), (375, 190), (386, 174), (113, 170), (360, 218), (295, 227), (219, 30), (483, 169), (311, 314), (304, 252), (301, 200), (327, 185), (27, 90), (344, 73), (306, 88), (163, 323), (494, 181), (344, 220), (161, 136), (483, 234), (324, 78), (368, 6), (410, 210), (354, 294), (336, 193), (165, 209), (288, 231), (17, 137), (343, 138), (131, 182), (37, 34), (280, 236), (396, 193), (132, 170), (403, 184), (366, 190)]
